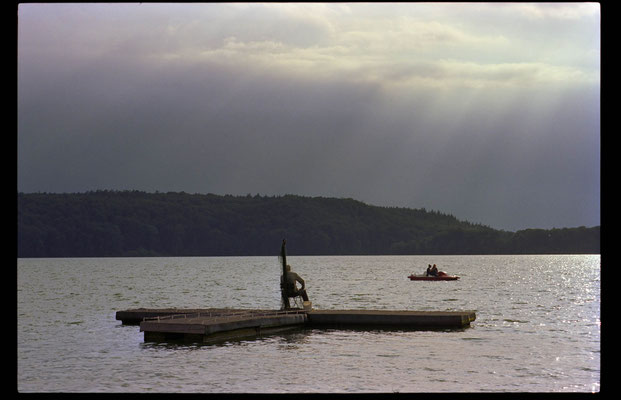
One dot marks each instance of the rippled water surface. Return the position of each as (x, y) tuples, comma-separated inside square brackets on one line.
[(537, 326)]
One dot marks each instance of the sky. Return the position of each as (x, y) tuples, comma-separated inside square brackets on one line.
[(486, 111)]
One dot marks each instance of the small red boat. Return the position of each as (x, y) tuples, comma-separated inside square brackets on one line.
[(442, 276)]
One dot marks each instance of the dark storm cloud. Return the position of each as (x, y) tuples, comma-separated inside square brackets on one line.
[(216, 104), (192, 130)]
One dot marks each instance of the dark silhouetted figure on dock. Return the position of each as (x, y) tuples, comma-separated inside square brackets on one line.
[(288, 280), (290, 288)]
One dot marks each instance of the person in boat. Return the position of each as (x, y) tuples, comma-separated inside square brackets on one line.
[(289, 284), (428, 272), (433, 271)]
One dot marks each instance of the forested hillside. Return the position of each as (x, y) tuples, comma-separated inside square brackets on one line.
[(133, 223)]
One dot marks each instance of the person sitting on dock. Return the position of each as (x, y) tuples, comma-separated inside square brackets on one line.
[(289, 285)]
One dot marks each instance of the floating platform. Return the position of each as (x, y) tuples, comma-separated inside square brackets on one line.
[(210, 327), (213, 325), (135, 316), (391, 319)]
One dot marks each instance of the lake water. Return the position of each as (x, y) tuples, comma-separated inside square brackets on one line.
[(537, 327)]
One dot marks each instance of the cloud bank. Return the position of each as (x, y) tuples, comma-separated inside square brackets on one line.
[(489, 112)]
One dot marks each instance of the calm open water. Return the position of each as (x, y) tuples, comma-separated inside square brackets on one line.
[(537, 328)]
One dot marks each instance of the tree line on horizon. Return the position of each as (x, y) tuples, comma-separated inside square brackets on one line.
[(107, 223)]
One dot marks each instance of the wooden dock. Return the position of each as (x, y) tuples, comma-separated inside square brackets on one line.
[(212, 325), (392, 319), (135, 316)]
